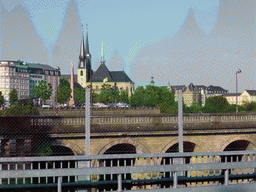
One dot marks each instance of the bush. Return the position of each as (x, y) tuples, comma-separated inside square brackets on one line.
[(20, 109), (250, 106), (232, 109), (168, 109)]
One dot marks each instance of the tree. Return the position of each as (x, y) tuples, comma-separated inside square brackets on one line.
[(123, 96), (137, 98), (20, 109), (63, 93), (107, 94), (250, 106), (216, 104), (196, 107), (42, 90), (1, 99), (13, 96), (80, 95), (152, 96)]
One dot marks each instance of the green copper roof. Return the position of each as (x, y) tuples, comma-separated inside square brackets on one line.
[(102, 54)]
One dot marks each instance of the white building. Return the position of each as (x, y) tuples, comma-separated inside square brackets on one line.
[(24, 76)]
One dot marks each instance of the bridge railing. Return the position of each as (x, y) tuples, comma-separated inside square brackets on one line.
[(151, 119), (164, 170), (140, 119)]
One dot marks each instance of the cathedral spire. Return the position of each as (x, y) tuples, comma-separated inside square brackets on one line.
[(82, 55), (103, 60), (87, 42)]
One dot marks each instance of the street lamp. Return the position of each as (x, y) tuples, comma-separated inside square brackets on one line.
[(239, 71)]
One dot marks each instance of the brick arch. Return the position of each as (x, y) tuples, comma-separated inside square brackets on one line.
[(173, 143), (238, 138), (61, 149), (76, 149), (139, 147)]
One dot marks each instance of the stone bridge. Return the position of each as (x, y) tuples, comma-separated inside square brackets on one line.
[(157, 133)]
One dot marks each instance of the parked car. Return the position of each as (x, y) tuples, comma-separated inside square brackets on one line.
[(46, 106), (100, 106), (122, 105)]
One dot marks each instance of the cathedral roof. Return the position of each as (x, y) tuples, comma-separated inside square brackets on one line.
[(113, 76), (120, 76), (101, 73)]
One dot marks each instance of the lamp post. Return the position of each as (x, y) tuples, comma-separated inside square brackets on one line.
[(239, 71)]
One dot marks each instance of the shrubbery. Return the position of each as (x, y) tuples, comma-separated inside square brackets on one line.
[(20, 109)]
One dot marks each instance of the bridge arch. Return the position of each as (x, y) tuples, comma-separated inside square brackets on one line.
[(61, 150), (188, 146), (238, 143), (138, 146)]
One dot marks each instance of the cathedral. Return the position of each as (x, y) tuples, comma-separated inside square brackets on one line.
[(87, 77)]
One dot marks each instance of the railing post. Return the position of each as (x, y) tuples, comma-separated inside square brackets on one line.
[(59, 184), (226, 177), (175, 180), (119, 187)]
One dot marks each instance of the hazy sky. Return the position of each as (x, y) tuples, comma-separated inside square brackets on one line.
[(176, 41)]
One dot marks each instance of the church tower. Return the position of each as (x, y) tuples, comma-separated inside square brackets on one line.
[(84, 71)]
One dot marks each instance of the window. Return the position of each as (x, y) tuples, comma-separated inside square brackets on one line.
[(97, 87), (81, 73)]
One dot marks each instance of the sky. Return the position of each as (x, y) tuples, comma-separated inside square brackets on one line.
[(203, 42)]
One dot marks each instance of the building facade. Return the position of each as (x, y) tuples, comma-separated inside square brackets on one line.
[(246, 96), (25, 76), (196, 93)]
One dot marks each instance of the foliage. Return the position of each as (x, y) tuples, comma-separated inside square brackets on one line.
[(80, 95), (137, 98), (195, 107), (13, 95), (107, 94), (95, 97), (232, 109), (63, 93), (43, 147), (123, 96), (169, 109), (1, 99), (250, 106), (20, 109), (216, 104), (152, 96), (42, 90)]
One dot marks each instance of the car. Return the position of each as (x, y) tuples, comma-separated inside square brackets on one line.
[(100, 106), (122, 105), (46, 106)]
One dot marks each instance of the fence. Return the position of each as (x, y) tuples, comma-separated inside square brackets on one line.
[(120, 172)]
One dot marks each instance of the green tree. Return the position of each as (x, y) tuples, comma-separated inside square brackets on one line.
[(196, 107), (107, 94), (123, 96), (216, 104), (13, 95), (80, 95), (152, 96), (20, 109), (42, 90), (250, 106), (63, 93), (232, 109), (1, 99), (137, 98)]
